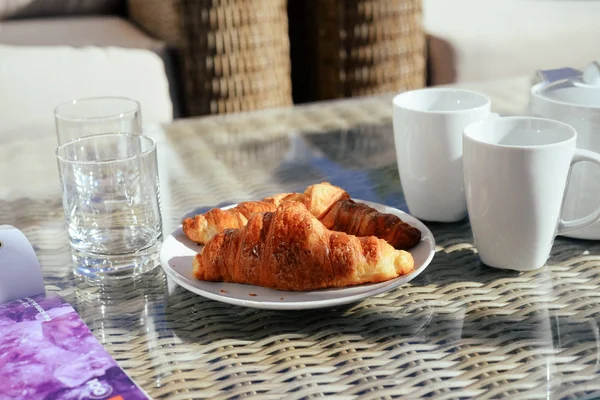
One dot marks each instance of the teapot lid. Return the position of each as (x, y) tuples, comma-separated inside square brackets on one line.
[(581, 89)]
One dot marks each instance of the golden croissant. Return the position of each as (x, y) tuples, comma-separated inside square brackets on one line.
[(289, 249), (359, 219), (328, 203)]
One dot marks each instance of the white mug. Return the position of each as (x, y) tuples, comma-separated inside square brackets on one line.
[(516, 171), (428, 127)]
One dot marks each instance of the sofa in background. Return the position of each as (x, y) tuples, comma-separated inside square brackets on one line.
[(54, 51), (178, 58), (196, 57), (234, 54), (348, 48)]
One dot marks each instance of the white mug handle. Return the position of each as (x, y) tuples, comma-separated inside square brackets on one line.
[(567, 226)]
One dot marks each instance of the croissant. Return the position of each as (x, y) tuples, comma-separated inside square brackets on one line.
[(360, 219), (318, 199), (201, 228), (289, 249), (330, 204)]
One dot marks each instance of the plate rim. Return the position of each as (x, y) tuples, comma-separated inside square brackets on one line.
[(310, 304)]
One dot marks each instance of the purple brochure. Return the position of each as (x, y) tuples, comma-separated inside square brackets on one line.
[(47, 352)]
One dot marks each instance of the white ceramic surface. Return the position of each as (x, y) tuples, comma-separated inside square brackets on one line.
[(177, 253), (576, 102), (428, 126), (516, 170)]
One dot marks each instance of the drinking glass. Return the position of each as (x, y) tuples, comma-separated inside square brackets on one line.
[(111, 201), (96, 115)]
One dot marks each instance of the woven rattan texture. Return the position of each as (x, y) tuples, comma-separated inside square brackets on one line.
[(160, 18), (460, 330), (234, 53), (368, 46)]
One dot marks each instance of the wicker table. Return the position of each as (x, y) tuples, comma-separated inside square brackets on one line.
[(459, 330)]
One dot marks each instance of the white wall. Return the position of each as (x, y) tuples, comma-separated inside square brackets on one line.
[(501, 38)]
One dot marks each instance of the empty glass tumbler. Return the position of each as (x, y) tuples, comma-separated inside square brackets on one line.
[(111, 201), (96, 115)]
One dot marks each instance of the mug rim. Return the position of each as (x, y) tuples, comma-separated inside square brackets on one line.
[(136, 108), (467, 135), (535, 94), (397, 97), (141, 154)]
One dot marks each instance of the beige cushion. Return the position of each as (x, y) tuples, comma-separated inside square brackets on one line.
[(52, 60), (77, 32), (101, 31), (35, 79), (50, 8)]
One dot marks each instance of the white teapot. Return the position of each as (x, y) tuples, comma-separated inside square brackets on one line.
[(575, 100)]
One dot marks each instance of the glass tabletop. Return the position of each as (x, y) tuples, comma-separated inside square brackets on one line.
[(459, 330)]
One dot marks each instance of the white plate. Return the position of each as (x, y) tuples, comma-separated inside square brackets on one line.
[(177, 252)]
